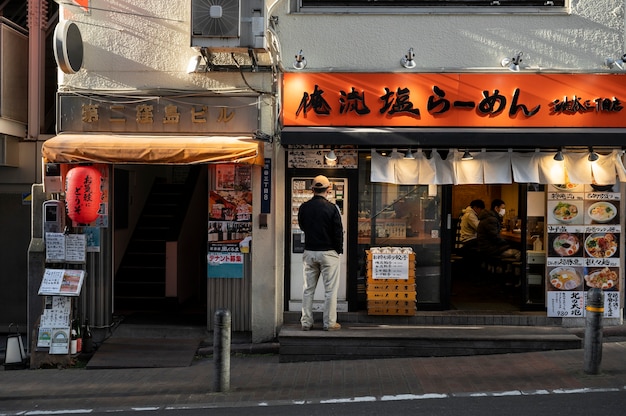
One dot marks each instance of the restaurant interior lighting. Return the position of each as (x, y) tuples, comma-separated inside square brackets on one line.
[(558, 156), (408, 60), (197, 64), (467, 156), (593, 156), (331, 157), (409, 155), (300, 62), (512, 63), (619, 63)]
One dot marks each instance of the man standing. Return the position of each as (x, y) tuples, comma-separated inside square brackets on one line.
[(320, 220)]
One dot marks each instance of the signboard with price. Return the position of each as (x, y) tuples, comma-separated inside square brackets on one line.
[(584, 238)]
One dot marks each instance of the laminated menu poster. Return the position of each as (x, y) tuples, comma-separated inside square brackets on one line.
[(583, 248), (66, 248), (60, 341), (56, 314), (62, 282)]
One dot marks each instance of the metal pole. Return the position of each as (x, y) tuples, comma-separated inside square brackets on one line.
[(221, 350), (593, 331)]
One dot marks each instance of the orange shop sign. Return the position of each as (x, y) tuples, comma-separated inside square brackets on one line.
[(454, 100)]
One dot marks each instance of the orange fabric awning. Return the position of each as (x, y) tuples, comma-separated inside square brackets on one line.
[(153, 149)]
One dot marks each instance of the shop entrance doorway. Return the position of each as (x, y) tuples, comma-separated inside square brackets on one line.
[(481, 282), (158, 210)]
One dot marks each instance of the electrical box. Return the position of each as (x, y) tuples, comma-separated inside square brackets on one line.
[(53, 216)]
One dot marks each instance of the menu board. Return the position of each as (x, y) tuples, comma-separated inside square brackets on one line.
[(584, 237), (314, 158), (390, 266), (66, 248), (62, 282)]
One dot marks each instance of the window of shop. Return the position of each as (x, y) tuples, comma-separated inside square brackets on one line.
[(393, 215)]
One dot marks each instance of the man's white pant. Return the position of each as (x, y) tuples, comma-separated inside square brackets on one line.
[(324, 264)]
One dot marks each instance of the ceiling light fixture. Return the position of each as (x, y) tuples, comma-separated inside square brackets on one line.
[(331, 158), (408, 60), (558, 156), (467, 156), (300, 62), (512, 63), (198, 63), (593, 156), (619, 63)]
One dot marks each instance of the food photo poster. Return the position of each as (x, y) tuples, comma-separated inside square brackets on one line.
[(583, 250)]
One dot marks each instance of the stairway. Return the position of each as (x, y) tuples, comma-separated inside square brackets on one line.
[(140, 279), (429, 334)]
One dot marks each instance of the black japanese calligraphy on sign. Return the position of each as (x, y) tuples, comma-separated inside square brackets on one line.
[(577, 105), (353, 102), (314, 102), (399, 105)]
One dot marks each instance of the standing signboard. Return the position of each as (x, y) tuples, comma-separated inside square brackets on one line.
[(584, 237)]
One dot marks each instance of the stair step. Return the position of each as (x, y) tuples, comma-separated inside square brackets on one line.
[(140, 279), (139, 274), (369, 341), (146, 290), (140, 303), (150, 260)]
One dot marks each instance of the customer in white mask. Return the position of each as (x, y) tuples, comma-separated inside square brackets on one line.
[(490, 243)]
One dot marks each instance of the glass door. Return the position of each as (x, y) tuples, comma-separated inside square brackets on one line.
[(392, 215), (301, 192)]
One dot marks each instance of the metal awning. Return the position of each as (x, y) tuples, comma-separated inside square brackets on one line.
[(151, 149), (433, 137)]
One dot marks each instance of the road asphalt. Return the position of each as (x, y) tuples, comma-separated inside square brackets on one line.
[(258, 379)]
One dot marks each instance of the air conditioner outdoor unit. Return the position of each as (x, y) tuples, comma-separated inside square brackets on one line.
[(228, 24)]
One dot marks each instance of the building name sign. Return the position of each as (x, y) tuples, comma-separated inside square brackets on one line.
[(454, 100), (228, 115)]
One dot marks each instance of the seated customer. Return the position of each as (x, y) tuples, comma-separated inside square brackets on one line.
[(469, 225), (490, 243)]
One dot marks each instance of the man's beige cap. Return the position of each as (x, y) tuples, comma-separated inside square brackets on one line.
[(320, 182)]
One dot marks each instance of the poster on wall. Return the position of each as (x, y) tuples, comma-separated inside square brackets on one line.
[(584, 234), (303, 158), (230, 219)]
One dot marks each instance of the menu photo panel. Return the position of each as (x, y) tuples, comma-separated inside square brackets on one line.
[(584, 235)]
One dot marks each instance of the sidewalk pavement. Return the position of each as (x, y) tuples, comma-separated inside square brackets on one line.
[(261, 380)]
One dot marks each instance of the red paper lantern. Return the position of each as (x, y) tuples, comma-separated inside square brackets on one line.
[(83, 194)]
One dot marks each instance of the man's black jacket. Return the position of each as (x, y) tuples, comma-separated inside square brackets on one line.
[(321, 222)]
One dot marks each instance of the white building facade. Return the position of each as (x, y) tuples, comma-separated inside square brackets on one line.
[(140, 52)]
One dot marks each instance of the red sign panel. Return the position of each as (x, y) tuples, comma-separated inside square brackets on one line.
[(454, 100)]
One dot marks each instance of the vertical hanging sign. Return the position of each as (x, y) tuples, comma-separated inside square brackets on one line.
[(266, 186)]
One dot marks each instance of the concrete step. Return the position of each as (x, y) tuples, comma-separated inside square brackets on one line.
[(451, 317), (368, 341)]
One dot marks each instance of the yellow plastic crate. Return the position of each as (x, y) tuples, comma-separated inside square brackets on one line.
[(397, 303), (382, 295), (391, 311), (409, 281), (390, 287)]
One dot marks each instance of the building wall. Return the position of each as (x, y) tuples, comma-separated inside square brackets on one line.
[(143, 47), (18, 171), (579, 40)]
